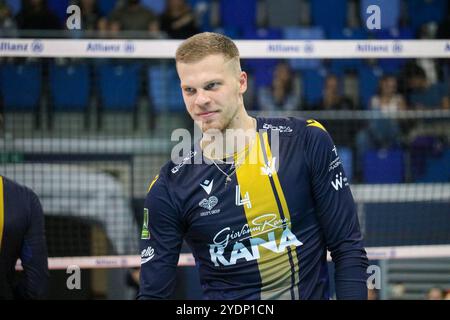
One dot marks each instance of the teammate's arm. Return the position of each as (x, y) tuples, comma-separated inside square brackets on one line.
[(33, 254), (337, 214), (160, 244)]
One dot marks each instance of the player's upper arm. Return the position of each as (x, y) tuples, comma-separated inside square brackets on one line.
[(337, 214), (160, 244), (34, 254), (333, 199)]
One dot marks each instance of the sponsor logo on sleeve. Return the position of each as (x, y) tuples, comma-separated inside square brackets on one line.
[(340, 182), (147, 255), (145, 234)]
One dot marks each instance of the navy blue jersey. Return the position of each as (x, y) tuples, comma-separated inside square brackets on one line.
[(21, 236), (265, 235)]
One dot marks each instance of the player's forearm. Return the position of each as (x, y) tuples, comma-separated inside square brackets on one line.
[(351, 278)]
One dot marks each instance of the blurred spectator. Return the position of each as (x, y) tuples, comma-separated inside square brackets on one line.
[(6, 17), (35, 15), (178, 20), (387, 99), (372, 294), (381, 132), (443, 31), (430, 66), (424, 95), (398, 291), (447, 295), (132, 16), (90, 16), (332, 97), (435, 293), (284, 93), (284, 13)]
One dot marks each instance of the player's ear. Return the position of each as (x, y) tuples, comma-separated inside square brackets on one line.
[(243, 82)]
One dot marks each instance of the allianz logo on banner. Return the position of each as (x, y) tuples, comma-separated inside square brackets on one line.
[(308, 47), (119, 47), (396, 47), (35, 46)]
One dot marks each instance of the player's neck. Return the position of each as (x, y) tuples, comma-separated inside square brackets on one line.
[(238, 136)]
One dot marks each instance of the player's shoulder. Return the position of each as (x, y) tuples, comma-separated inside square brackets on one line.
[(291, 126), (171, 171), (14, 189)]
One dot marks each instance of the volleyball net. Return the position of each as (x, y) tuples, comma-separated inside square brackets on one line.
[(87, 124)]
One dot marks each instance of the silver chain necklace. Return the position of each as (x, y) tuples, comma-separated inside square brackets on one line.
[(235, 163), (228, 176)]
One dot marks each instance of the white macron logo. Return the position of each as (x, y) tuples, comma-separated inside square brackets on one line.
[(207, 186)]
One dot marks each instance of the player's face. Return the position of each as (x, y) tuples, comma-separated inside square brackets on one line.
[(213, 91)]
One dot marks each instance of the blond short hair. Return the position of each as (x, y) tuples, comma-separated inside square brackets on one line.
[(204, 44)]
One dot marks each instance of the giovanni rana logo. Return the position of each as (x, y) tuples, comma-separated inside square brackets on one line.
[(261, 233)]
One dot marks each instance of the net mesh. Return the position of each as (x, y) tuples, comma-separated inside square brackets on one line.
[(90, 163)]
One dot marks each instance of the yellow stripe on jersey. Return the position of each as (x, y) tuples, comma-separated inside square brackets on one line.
[(265, 222), (2, 211), (152, 183), (314, 123)]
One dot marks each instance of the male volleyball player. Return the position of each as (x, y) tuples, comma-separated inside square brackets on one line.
[(257, 229), (21, 236)]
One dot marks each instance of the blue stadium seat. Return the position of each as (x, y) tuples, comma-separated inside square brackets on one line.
[(263, 76), (238, 13), (202, 9), (15, 6), (231, 32), (424, 11), (157, 6), (283, 13), (164, 89), (59, 8), (329, 14), (119, 86), (389, 12), (313, 82), (300, 33), (395, 34), (348, 34), (368, 78), (106, 6), (383, 166), (21, 86), (70, 87), (437, 168), (346, 156), (261, 68), (262, 34)]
